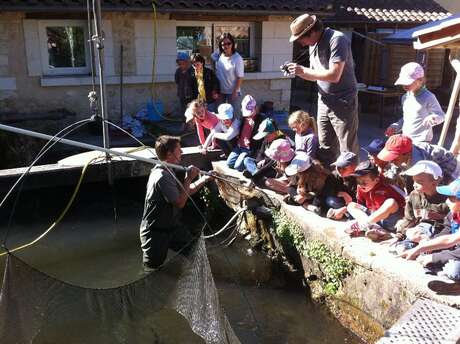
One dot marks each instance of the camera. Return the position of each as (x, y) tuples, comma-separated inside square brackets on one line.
[(285, 69)]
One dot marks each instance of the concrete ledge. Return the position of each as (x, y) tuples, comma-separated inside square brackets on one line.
[(52, 175), (381, 287), (85, 80)]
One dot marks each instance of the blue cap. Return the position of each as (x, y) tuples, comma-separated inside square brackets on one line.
[(453, 189), (375, 146), (182, 56), (345, 159)]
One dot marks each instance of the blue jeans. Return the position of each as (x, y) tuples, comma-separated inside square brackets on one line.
[(236, 157), (250, 165)]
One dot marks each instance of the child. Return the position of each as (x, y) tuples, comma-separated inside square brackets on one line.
[(425, 208), (281, 151), (245, 144), (259, 165), (202, 118), (205, 85), (225, 131), (345, 166), (378, 204), (316, 185), (421, 109), (401, 151), (304, 126), (183, 79), (449, 258)]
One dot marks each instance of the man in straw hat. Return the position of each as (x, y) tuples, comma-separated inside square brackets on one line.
[(332, 67)]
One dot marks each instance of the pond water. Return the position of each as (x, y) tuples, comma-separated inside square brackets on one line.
[(264, 303)]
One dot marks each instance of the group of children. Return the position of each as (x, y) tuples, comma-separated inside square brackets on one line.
[(395, 196)]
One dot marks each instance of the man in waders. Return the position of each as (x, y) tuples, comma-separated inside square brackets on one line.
[(161, 228), (332, 67)]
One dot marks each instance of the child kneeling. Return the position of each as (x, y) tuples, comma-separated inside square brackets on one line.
[(379, 206)]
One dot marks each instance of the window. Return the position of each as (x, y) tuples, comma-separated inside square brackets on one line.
[(203, 38), (64, 47)]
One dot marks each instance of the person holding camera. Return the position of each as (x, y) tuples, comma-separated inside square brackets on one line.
[(332, 67)]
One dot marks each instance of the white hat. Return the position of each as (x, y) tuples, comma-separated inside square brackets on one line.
[(300, 163), (425, 166), (188, 115), (224, 111), (409, 73), (248, 105)]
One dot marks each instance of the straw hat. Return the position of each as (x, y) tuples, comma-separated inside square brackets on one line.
[(301, 25)]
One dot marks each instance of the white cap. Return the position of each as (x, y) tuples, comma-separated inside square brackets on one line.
[(425, 166), (188, 115), (409, 73), (224, 111), (300, 163)]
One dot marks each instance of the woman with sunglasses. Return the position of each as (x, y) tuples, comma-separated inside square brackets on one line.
[(230, 72), (205, 85)]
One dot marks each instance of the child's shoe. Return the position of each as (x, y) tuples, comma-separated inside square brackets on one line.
[(377, 234), (354, 228)]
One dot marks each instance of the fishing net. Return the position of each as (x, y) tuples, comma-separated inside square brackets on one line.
[(38, 308)]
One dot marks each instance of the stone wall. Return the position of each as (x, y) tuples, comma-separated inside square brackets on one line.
[(26, 93)]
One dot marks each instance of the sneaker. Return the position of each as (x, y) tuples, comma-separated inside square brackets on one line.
[(331, 213), (355, 229), (377, 234)]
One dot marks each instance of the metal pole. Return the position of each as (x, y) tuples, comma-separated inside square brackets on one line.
[(450, 110), (89, 146), (121, 83), (99, 39)]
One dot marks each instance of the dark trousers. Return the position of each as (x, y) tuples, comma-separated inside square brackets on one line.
[(176, 238)]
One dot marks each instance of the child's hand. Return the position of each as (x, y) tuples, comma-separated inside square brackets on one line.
[(410, 254), (430, 121), (261, 163), (299, 199), (203, 151)]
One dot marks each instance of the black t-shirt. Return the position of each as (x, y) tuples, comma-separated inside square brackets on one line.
[(347, 184)]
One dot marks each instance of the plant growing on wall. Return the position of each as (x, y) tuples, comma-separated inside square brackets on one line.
[(335, 268)]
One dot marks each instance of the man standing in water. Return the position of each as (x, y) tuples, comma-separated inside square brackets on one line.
[(161, 228), (332, 67)]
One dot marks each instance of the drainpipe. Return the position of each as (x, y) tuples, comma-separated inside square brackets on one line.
[(455, 148)]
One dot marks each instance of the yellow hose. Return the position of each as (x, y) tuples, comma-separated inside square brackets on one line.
[(67, 207)]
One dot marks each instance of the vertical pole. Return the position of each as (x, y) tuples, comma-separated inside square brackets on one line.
[(121, 83), (450, 110), (99, 39)]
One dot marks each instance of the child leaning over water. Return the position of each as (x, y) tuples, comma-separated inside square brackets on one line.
[(316, 186), (450, 259), (426, 210), (202, 118), (304, 126), (378, 205), (421, 109), (225, 131), (281, 151)]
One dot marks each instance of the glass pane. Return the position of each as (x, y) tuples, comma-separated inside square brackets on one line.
[(66, 46), (241, 34), (194, 39)]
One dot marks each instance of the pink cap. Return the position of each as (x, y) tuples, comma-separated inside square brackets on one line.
[(248, 105), (409, 73), (280, 150)]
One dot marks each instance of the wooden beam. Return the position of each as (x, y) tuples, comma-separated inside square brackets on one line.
[(440, 38)]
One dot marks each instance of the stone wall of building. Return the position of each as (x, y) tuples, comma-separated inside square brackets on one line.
[(26, 93)]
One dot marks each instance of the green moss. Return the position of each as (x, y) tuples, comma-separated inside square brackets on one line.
[(334, 266)]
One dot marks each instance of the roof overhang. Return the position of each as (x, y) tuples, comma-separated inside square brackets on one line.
[(445, 34)]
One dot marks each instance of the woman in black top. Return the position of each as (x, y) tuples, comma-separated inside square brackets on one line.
[(205, 85)]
